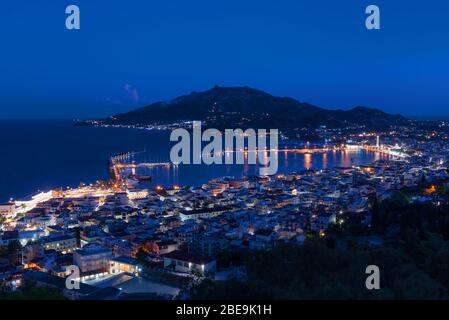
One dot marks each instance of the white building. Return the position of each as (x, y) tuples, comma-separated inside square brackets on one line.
[(124, 264), (187, 263), (8, 210), (167, 246), (92, 259), (64, 243), (203, 213), (134, 194)]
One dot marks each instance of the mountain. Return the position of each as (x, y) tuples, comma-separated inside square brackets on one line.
[(244, 107)]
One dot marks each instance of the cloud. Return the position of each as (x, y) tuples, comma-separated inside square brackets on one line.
[(132, 92), (128, 97)]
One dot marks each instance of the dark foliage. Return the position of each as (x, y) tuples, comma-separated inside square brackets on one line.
[(413, 261)]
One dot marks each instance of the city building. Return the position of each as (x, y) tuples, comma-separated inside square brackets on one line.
[(7, 210), (92, 259), (181, 261), (63, 243), (135, 194), (124, 264), (203, 213), (167, 246)]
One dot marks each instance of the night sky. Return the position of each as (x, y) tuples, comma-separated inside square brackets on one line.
[(132, 53)]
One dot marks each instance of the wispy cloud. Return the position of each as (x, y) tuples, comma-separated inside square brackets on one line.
[(132, 92), (128, 96)]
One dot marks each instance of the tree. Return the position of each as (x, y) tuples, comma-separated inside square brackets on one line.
[(142, 256), (376, 219), (14, 247), (32, 292)]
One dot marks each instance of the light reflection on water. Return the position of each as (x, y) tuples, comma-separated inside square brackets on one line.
[(46, 154), (287, 162)]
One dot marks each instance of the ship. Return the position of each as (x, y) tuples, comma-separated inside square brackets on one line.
[(143, 178), (131, 182)]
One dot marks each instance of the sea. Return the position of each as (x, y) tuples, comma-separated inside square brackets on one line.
[(39, 155)]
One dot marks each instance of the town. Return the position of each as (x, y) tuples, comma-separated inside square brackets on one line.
[(130, 242)]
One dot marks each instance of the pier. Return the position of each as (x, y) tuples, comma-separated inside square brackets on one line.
[(124, 161)]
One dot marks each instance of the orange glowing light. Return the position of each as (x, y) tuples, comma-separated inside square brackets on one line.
[(430, 190)]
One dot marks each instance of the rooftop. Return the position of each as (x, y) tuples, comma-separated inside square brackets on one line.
[(187, 257), (92, 250), (125, 259), (58, 282), (205, 210)]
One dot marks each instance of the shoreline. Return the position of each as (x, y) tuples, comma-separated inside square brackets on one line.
[(311, 169)]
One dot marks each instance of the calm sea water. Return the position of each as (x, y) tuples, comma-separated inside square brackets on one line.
[(44, 154)]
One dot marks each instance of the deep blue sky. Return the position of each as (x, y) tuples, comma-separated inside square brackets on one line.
[(131, 53)]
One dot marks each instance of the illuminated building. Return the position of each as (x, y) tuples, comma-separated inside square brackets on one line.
[(124, 264), (166, 246), (8, 210), (92, 259), (187, 263), (134, 194), (64, 244)]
